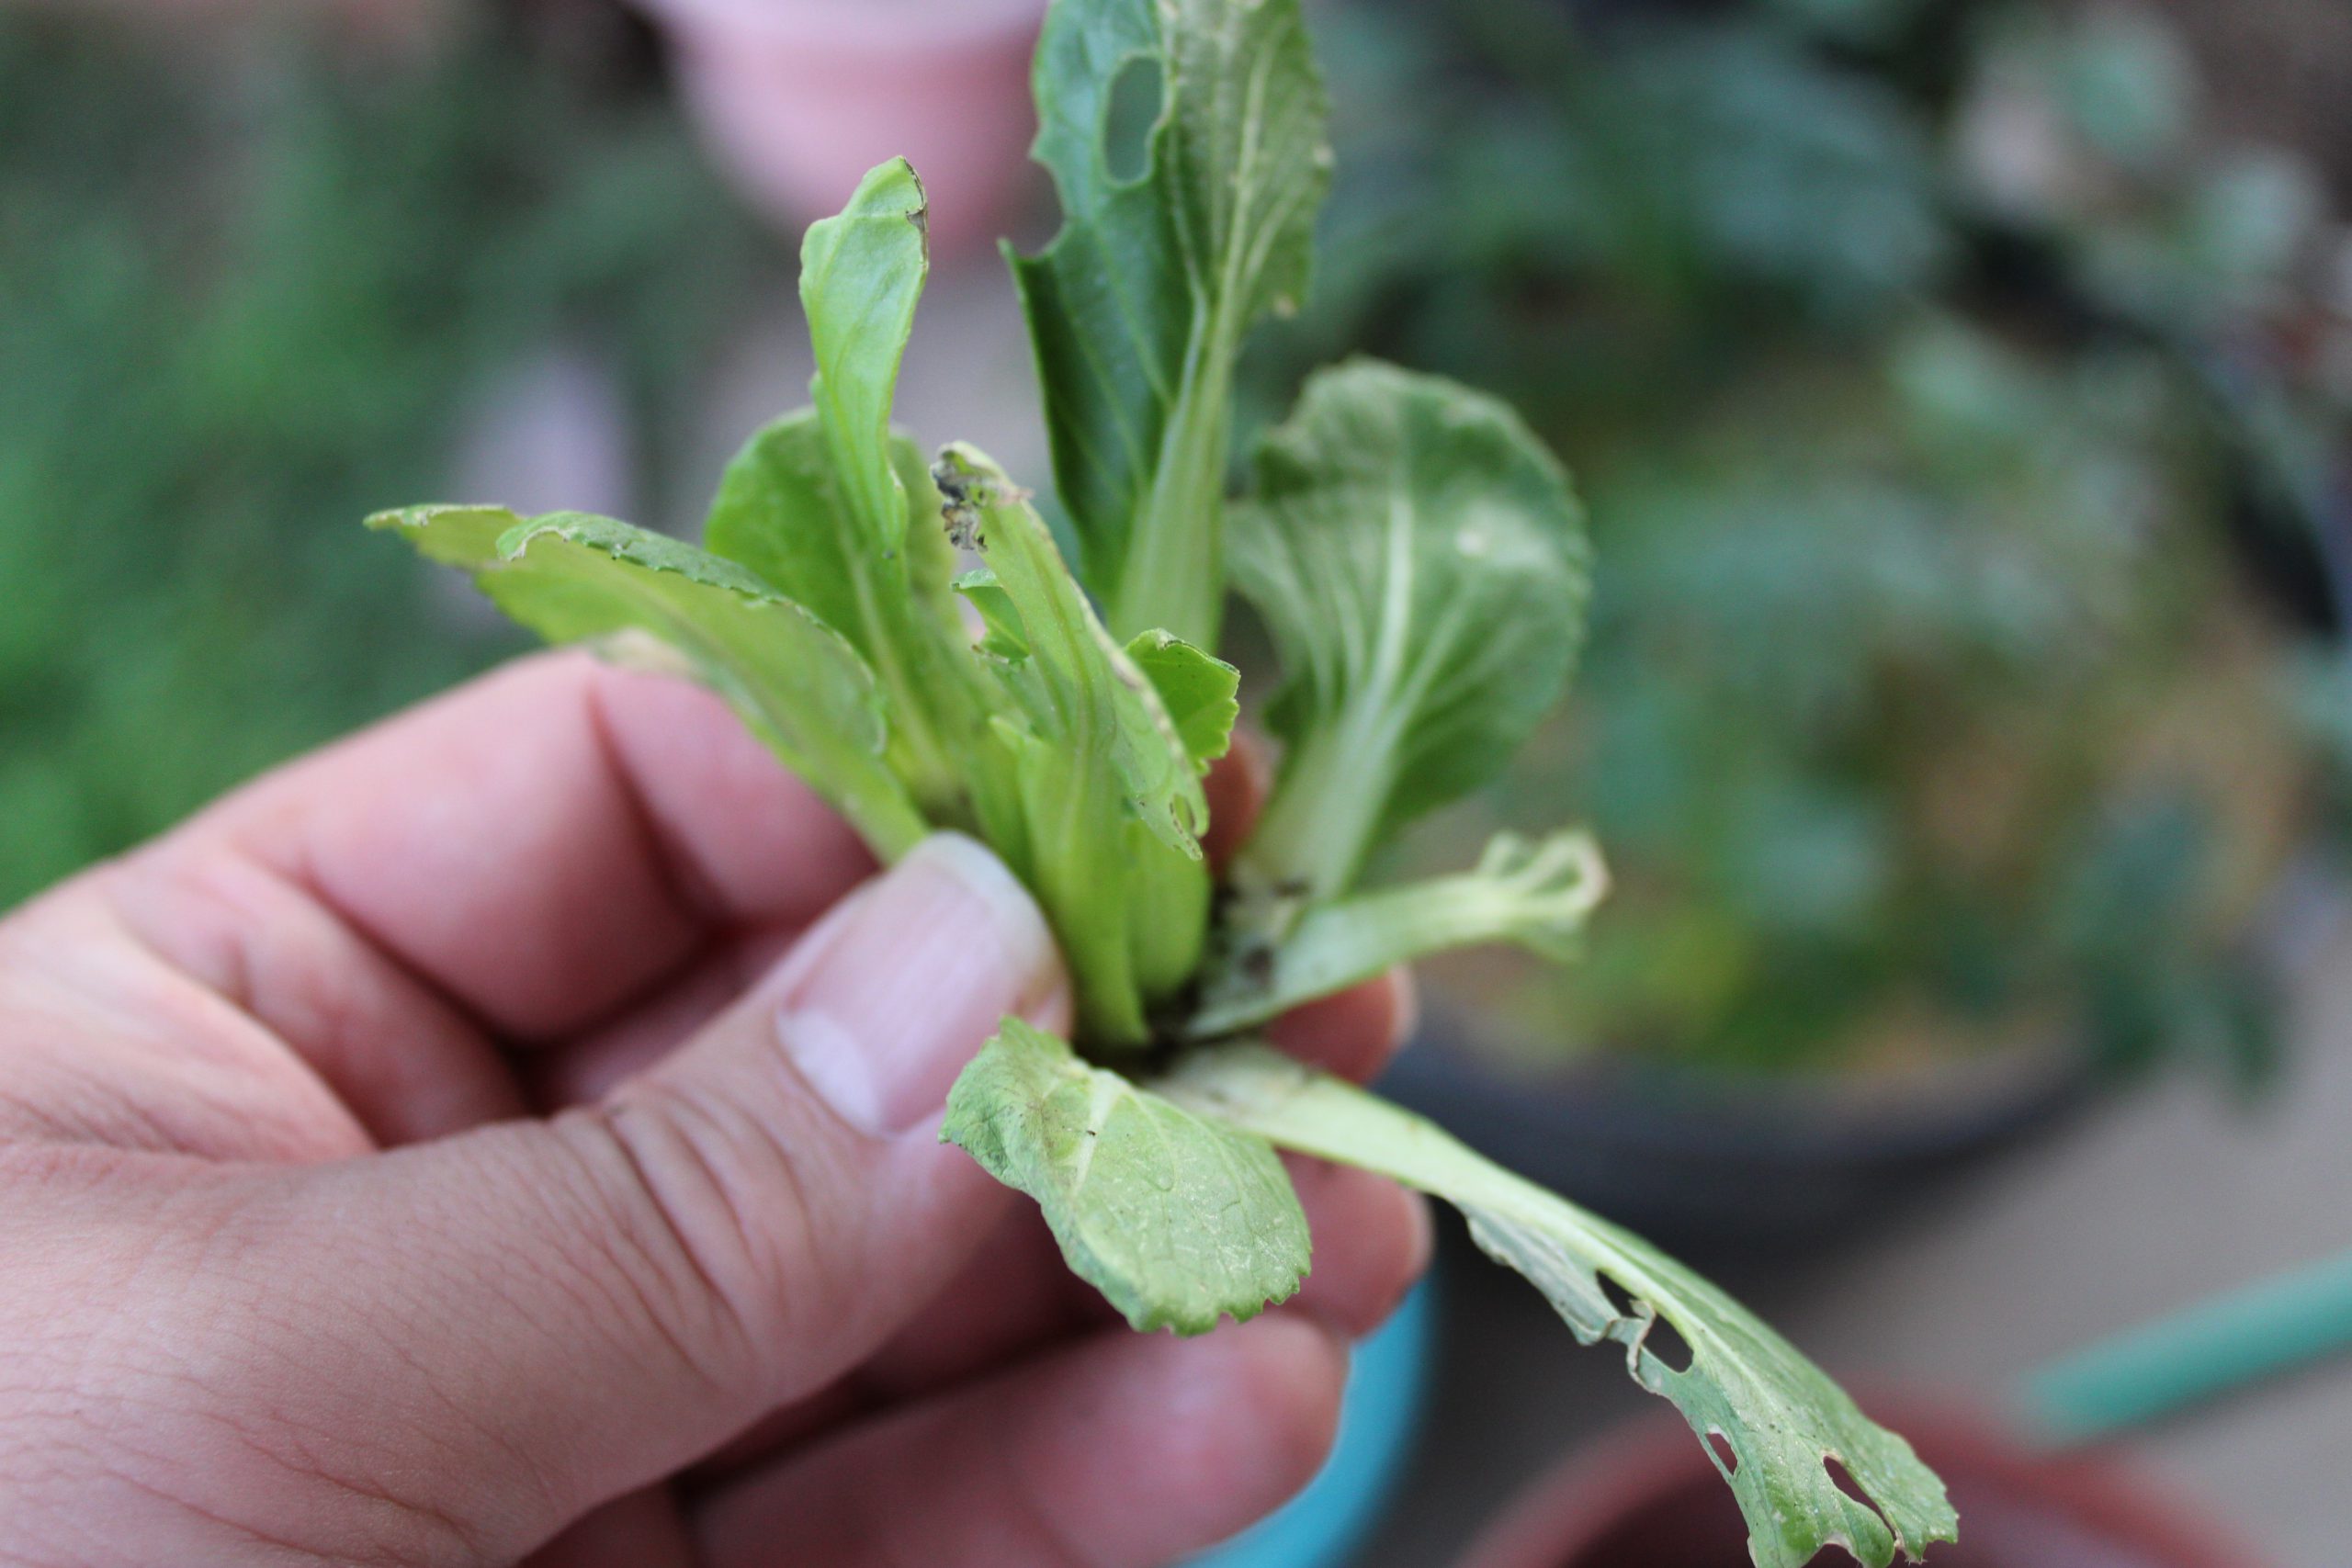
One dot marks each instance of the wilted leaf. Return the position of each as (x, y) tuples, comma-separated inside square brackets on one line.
[(1535, 894)]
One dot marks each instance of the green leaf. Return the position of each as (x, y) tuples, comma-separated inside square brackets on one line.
[(1199, 692), (1178, 1221), (1536, 895), (647, 599), (1779, 1416), (1001, 636), (1109, 803), (862, 274), (781, 511), (1422, 564), (818, 503), (1138, 307)]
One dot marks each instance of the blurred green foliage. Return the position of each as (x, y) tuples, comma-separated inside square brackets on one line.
[(1919, 361), (249, 284)]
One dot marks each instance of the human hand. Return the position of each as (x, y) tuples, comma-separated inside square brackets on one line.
[(507, 1136)]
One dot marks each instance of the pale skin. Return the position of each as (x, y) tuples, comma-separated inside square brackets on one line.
[(443, 1151)]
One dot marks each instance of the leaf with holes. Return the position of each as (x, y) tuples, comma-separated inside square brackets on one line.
[(1137, 310), (1784, 1422)]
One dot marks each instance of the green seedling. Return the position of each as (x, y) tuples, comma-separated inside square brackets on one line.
[(904, 632)]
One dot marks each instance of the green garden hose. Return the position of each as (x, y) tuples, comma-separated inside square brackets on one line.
[(2211, 1349)]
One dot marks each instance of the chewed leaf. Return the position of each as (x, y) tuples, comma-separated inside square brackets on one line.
[(572, 578), (1422, 563), (1178, 1221), (1534, 893), (1781, 1418), (1199, 692), (1138, 309)]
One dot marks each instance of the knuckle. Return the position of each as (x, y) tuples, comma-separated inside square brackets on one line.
[(717, 1222)]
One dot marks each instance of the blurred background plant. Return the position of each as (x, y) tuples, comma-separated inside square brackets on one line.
[(1960, 421), (253, 284)]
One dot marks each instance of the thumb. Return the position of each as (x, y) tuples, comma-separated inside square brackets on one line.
[(561, 1312)]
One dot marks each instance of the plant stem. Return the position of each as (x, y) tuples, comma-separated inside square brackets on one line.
[(1173, 578)]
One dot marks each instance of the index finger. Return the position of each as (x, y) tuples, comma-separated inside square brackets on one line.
[(543, 843)]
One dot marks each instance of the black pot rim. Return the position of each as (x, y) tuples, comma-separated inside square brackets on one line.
[(1949, 1107)]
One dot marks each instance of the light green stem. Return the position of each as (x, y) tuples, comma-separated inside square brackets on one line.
[(1173, 577), (1534, 893)]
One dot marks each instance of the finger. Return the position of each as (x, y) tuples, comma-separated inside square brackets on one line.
[(654, 1024), (1016, 1297), (1013, 1297), (529, 1320), (1372, 1241), (1125, 1449), (1353, 1032), (386, 1048), (1236, 786), (542, 843), (644, 1529), (203, 1005)]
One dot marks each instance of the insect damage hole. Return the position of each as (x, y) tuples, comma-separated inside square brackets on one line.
[(1665, 1342), (1726, 1457), (1843, 1479), (1137, 95), (1661, 1340)]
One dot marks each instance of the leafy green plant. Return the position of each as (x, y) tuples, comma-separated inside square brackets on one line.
[(1420, 560), (1916, 382)]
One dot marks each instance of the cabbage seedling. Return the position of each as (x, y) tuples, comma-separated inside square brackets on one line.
[(904, 632)]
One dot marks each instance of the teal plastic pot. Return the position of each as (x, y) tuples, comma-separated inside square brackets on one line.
[(1324, 1525)]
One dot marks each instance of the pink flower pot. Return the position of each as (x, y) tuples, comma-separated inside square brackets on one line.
[(799, 97)]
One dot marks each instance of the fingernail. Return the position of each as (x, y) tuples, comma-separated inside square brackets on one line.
[(882, 1004)]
